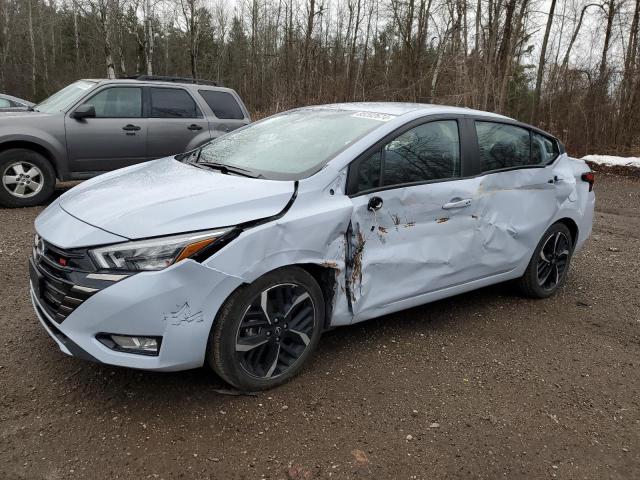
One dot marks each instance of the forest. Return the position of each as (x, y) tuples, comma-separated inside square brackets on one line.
[(571, 67)]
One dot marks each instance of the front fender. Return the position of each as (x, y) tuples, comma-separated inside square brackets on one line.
[(56, 149)]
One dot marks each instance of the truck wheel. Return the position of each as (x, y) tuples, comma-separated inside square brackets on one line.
[(27, 178)]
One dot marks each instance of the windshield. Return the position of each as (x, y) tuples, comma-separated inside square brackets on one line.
[(292, 145), (65, 97)]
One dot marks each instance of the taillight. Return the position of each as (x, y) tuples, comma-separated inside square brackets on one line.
[(589, 177)]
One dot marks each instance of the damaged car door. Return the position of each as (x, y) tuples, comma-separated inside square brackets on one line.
[(519, 191), (412, 228)]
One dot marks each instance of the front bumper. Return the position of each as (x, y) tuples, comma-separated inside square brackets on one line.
[(178, 304)]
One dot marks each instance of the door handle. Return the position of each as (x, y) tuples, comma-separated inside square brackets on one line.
[(131, 128), (554, 179), (457, 203), (375, 203), (193, 126)]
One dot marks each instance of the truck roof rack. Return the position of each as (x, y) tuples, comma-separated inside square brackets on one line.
[(164, 78)]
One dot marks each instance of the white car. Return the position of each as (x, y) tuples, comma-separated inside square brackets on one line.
[(241, 253)]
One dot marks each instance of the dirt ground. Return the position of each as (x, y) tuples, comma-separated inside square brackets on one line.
[(484, 385)]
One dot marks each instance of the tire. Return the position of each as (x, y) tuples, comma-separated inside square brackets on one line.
[(550, 261), (26, 178), (255, 351)]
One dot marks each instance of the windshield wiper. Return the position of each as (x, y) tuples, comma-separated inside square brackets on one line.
[(227, 170)]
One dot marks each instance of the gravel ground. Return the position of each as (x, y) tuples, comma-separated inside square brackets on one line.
[(483, 385)]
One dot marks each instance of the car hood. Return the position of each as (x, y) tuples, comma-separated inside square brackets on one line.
[(17, 114), (166, 196)]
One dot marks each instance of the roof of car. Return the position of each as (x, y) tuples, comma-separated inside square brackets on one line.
[(17, 99), (402, 108), (133, 81)]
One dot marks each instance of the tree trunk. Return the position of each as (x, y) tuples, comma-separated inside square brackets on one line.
[(607, 40), (4, 42), (565, 61), (149, 38), (43, 46), (32, 47), (76, 34), (541, 62), (108, 49), (504, 55)]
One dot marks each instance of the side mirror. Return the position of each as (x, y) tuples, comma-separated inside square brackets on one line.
[(85, 110)]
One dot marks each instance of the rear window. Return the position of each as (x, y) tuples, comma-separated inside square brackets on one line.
[(223, 104), (172, 103)]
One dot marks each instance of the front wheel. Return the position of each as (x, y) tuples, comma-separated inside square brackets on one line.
[(265, 331), (547, 270), (27, 178)]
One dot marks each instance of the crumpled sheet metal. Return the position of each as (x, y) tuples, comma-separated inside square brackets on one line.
[(312, 232), (413, 247), (400, 255)]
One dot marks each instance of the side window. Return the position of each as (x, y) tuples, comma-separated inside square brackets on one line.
[(502, 146), (172, 103), (430, 151), (4, 103), (223, 105), (543, 149), (369, 172), (118, 102)]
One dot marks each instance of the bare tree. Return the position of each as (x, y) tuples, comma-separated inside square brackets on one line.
[(190, 16), (32, 46), (541, 62)]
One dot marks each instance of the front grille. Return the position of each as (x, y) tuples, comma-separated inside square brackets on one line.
[(59, 288)]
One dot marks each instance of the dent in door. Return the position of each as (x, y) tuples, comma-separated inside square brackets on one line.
[(514, 209), (398, 252)]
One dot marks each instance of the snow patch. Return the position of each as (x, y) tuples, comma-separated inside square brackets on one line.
[(613, 161)]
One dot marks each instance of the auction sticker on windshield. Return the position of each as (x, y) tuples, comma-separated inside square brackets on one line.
[(382, 117)]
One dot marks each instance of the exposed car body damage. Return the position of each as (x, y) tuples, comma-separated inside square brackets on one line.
[(425, 242)]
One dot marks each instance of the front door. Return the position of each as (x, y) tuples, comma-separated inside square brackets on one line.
[(115, 138), (413, 228)]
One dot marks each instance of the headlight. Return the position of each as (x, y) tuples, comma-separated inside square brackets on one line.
[(154, 254)]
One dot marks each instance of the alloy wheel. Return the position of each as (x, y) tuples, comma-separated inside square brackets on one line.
[(275, 330), (553, 260), (23, 179)]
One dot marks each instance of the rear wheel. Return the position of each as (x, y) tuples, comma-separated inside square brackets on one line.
[(549, 265), (27, 178), (266, 331)]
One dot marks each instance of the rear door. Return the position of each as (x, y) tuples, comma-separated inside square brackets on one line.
[(227, 112), (412, 229), (519, 191), (115, 138), (176, 122)]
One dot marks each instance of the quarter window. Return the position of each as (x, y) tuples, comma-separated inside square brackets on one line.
[(172, 103), (118, 102), (369, 172), (543, 149), (502, 146), (223, 105)]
